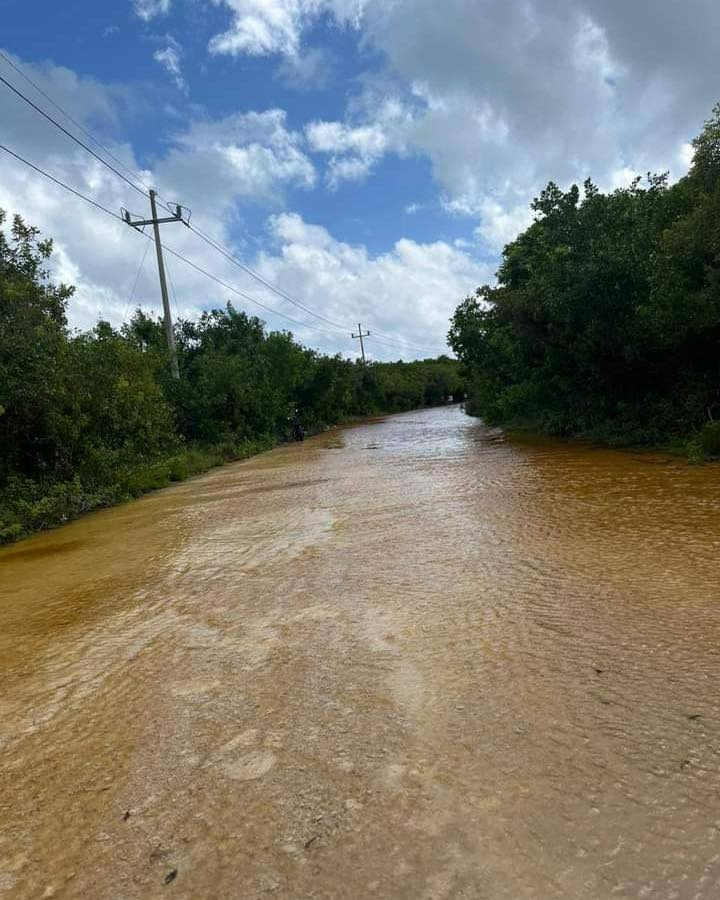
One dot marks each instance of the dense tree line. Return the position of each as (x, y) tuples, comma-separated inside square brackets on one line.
[(89, 419), (605, 319)]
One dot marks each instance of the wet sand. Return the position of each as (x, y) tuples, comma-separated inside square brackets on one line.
[(403, 660)]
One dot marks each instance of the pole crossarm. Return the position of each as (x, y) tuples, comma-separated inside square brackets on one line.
[(361, 334), (140, 223)]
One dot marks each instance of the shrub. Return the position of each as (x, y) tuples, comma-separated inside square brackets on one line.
[(710, 439)]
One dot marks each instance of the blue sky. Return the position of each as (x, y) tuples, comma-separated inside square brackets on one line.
[(370, 158)]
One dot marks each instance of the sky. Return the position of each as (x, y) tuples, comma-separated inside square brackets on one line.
[(369, 158)]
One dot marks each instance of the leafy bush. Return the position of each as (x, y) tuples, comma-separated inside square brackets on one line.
[(710, 439)]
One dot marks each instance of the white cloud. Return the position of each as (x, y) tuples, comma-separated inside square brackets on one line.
[(502, 97), (686, 154), (149, 9), (264, 27), (311, 70), (261, 27), (210, 166), (355, 149), (509, 95), (334, 137), (620, 178), (500, 225), (246, 155), (407, 294), (169, 59), (217, 167)]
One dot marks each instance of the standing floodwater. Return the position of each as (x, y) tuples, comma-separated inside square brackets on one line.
[(408, 659)]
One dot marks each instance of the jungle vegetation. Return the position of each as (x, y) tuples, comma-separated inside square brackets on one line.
[(604, 322), (90, 419)]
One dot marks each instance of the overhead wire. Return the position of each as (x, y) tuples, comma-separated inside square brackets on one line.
[(132, 172), (61, 183), (391, 339), (137, 279), (167, 249), (74, 121), (256, 275), (341, 329), (176, 308), (132, 184), (250, 271), (242, 294), (390, 342), (402, 346), (72, 137)]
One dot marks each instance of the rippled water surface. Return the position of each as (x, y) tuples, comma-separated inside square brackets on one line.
[(406, 659)]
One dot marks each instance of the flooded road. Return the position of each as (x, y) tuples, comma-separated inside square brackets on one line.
[(403, 660)]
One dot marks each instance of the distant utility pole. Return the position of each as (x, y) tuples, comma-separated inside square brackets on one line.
[(155, 222), (361, 336)]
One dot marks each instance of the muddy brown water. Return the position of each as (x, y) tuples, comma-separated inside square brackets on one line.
[(408, 659)]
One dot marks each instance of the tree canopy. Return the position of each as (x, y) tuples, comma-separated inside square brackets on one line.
[(605, 319)]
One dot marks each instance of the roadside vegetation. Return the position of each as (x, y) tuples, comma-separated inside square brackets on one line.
[(605, 319), (91, 419)]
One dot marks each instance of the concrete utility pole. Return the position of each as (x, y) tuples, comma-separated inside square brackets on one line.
[(361, 336), (167, 318)]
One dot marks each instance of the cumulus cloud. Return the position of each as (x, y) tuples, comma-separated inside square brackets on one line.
[(211, 166), (501, 224), (215, 166), (504, 96), (150, 9), (261, 27), (216, 162), (310, 70), (354, 149), (169, 58), (514, 94), (407, 294)]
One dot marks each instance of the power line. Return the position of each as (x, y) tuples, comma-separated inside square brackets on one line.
[(71, 135), (220, 249), (399, 341), (203, 237), (60, 183), (75, 122), (175, 253), (137, 279), (174, 294), (405, 346), (281, 293), (134, 173), (250, 271), (179, 256), (240, 293)]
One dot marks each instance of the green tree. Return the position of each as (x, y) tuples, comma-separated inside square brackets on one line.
[(605, 319)]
